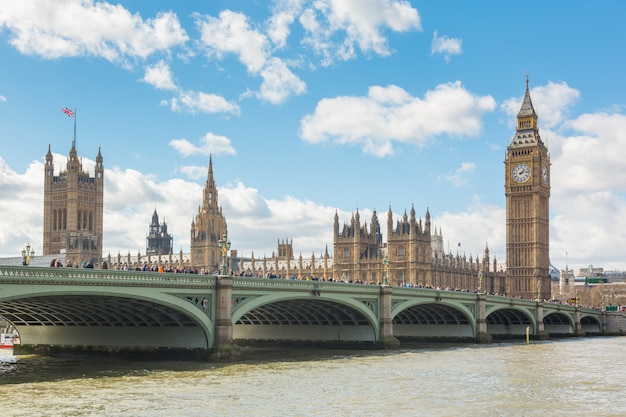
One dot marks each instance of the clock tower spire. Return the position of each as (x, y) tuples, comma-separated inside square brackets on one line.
[(527, 191)]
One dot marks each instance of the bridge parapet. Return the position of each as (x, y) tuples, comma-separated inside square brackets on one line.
[(22, 274), (299, 285)]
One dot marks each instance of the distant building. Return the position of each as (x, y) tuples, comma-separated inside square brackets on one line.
[(73, 210), (158, 241), (591, 276), (567, 285)]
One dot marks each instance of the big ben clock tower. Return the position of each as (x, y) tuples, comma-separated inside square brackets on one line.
[(527, 191)]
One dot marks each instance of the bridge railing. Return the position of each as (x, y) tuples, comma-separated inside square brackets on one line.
[(26, 274), (299, 285)]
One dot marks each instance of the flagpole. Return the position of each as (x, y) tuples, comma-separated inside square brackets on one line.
[(74, 140)]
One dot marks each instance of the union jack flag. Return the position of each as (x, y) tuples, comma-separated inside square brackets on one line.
[(67, 111)]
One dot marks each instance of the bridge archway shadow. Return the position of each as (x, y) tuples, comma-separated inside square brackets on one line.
[(432, 321), (590, 325), (312, 321), (507, 322), (98, 323), (558, 325)]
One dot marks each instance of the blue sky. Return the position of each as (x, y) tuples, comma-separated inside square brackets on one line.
[(315, 107)]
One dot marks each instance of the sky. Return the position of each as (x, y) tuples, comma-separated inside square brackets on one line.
[(311, 108)]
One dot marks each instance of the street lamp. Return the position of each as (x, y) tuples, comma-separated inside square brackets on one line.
[(481, 275), (386, 270), (224, 244), (27, 254), (539, 290)]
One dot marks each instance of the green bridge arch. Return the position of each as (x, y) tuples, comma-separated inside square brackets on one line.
[(333, 318), (55, 308), (458, 316)]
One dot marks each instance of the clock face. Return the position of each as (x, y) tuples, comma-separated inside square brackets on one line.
[(544, 174), (521, 173)]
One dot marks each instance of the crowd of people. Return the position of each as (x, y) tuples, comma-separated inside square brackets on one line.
[(250, 274)]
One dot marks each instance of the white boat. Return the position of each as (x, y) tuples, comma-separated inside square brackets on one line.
[(8, 339)]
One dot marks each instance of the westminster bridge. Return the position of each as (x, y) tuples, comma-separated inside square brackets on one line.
[(57, 309)]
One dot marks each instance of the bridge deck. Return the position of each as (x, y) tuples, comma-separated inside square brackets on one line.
[(117, 310)]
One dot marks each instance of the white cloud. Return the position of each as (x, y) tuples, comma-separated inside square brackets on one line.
[(256, 223), (194, 172), (21, 221), (284, 13), (361, 22), (3, 99), (130, 198), (279, 82), (390, 114), (588, 190), (231, 33), (459, 177), (478, 226), (159, 76), (446, 46), (199, 102), (84, 27), (209, 144)]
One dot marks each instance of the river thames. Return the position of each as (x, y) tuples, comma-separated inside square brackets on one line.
[(570, 377)]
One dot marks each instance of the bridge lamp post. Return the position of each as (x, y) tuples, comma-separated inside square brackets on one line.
[(27, 254), (224, 244), (481, 275), (385, 270), (538, 290)]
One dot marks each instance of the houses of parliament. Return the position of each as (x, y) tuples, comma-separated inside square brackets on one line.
[(412, 255)]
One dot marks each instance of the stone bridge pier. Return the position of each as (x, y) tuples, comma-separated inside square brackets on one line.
[(387, 338), (223, 345)]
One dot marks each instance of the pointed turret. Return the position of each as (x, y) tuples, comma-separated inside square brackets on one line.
[(527, 108), (49, 169), (155, 218), (49, 155), (527, 132), (73, 163)]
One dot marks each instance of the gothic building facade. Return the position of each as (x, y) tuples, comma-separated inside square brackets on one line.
[(158, 241), (207, 228), (73, 210), (527, 191), (412, 256)]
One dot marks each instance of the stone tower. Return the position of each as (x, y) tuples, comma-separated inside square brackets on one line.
[(73, 205), (409, 249), (158, 241), (285, 249), (207, 229), (527, 191), (358, 250)]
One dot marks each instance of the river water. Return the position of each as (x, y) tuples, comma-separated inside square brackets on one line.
[(570, 377)]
